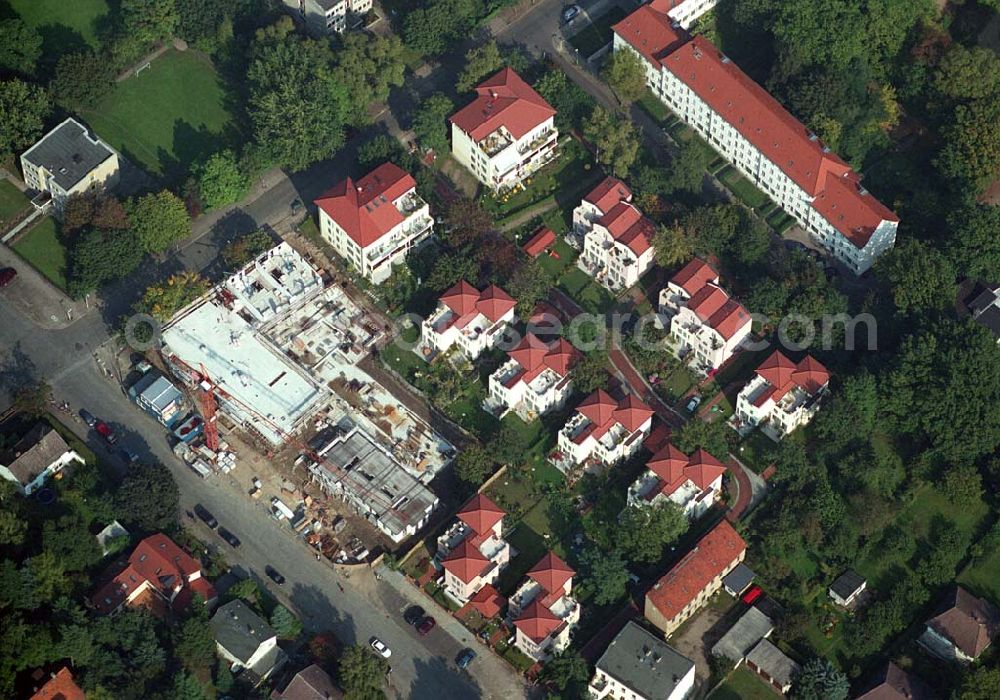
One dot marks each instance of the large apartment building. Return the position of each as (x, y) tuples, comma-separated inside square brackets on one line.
[(603, 432), (535, 380), (325, 16), (759, 137), (67, 161), (506, 134), (615, 237), (374, 222)]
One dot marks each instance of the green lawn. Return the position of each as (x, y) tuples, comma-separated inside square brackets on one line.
[(563, 180), (598, 33), (41, 247), (65, 25), (555, 266), (12, 201), (654, 108), (780, 221), (171, 115), (743, 684), (742, 188), (585, 291), (982, 576)]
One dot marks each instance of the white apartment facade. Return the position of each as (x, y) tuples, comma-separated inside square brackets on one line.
[(507, 133), (638, 665), (760, 139), (615, 238), (543, 609), (535, 380), (693, 483), (325, 16), (603, 432), (473, 553), (373, 223), (782, 396), (473, 321), (68, 161), (706, 324)]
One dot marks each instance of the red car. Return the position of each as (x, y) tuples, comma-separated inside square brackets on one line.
[(7, 276), (426, 625), (106, 432)]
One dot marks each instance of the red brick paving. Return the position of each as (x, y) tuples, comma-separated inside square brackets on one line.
[(746, 492)]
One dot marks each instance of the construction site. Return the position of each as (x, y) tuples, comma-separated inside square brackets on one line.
[(269, 358)]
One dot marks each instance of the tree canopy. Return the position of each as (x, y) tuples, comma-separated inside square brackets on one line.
[(159, 220), (23, 109)]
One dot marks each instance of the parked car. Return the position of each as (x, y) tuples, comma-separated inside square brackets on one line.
[(229, 537), (7, 276), (129, 455), (274, 574), (693, 404), (414, 614), (206, 517), (426, 625), (380, 648), (570, 13), (88, 417), (105, 431), (465, 658)]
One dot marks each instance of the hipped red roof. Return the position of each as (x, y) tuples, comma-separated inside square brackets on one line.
[(481, 514), (783, 374), (551, 573), (673, 468), (608, 193), (467, 302), (628, 226), (504, 99), (364, 209), (465, 562), (537, 622)]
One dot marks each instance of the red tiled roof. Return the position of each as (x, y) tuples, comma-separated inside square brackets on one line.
[(668, 463), (465, 562), (851, 210), (561, 358), (651, 33), (534, 355), (715, 308), (695, 275), (608, 193), (481, 514), (970, 623), (782, 374), (467, 303), (810, 374), (503, 100), (461, 298), (628, 226), (712, 555), (673, 468), (487, 602), (364, 209), (542, 239), (537, 622), (530, 352), (551, 573), (632, 412), (494, 303), (777, 369), (599, 407), (703, 469), (60, 687)]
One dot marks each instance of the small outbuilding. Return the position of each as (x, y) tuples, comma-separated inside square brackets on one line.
[(846, 589), (738, 580)]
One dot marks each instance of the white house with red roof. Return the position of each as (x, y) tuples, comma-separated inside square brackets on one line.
[(602, 431), (506, 133), (473, 552), (374, 222), (758, 136), (615, 237), (473, 320), (158, 574), (782, 396), (705, 322), (694, 483), (543, 609), (535, 380)]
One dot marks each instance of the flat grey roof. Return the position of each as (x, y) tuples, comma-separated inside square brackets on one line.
[(155, 389), (397, 498), (748, 630), (68, 152), (240, 630), (644, 663)]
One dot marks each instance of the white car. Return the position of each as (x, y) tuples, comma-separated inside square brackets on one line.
[(380, 648), (693, 404)]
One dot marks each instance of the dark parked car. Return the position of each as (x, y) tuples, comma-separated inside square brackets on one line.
[(105, 431), (426, 625), (88, 417), (7, 276), (465, 658), (274, 575), (206, 517), (569, 13), (413, 615), (128, 455), (229, 537)]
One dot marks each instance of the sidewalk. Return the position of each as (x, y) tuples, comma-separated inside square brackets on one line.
[(38, 299)]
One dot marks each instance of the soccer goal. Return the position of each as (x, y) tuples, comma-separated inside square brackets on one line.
[(140, 69)]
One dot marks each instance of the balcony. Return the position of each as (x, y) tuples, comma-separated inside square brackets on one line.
[(407, 237), (537, 142), (409, 203), (495, 143)]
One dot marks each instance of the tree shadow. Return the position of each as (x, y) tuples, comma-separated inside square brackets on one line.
[(57, 41), (17, 369), (319, 615), (190, 145), (203, 254), (437, 678)]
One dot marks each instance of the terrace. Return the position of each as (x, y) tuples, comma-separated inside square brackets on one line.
[(410, 235), (536, 143), (496, 142)]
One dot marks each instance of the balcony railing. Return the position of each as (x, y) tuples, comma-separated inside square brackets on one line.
[(537, 142)]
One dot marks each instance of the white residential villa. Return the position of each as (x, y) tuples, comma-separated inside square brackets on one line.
[(782, 396), (758, 136), (694, 483), (374, 222), (535, 380), (67, 161), (325, 16), (602, 431), (616, 239), (38, 455), (506, 134), (473, 552), (473, 320), (706, 324), (543, 609)]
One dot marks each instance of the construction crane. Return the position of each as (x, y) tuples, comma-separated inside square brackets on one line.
[(209, 408)]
